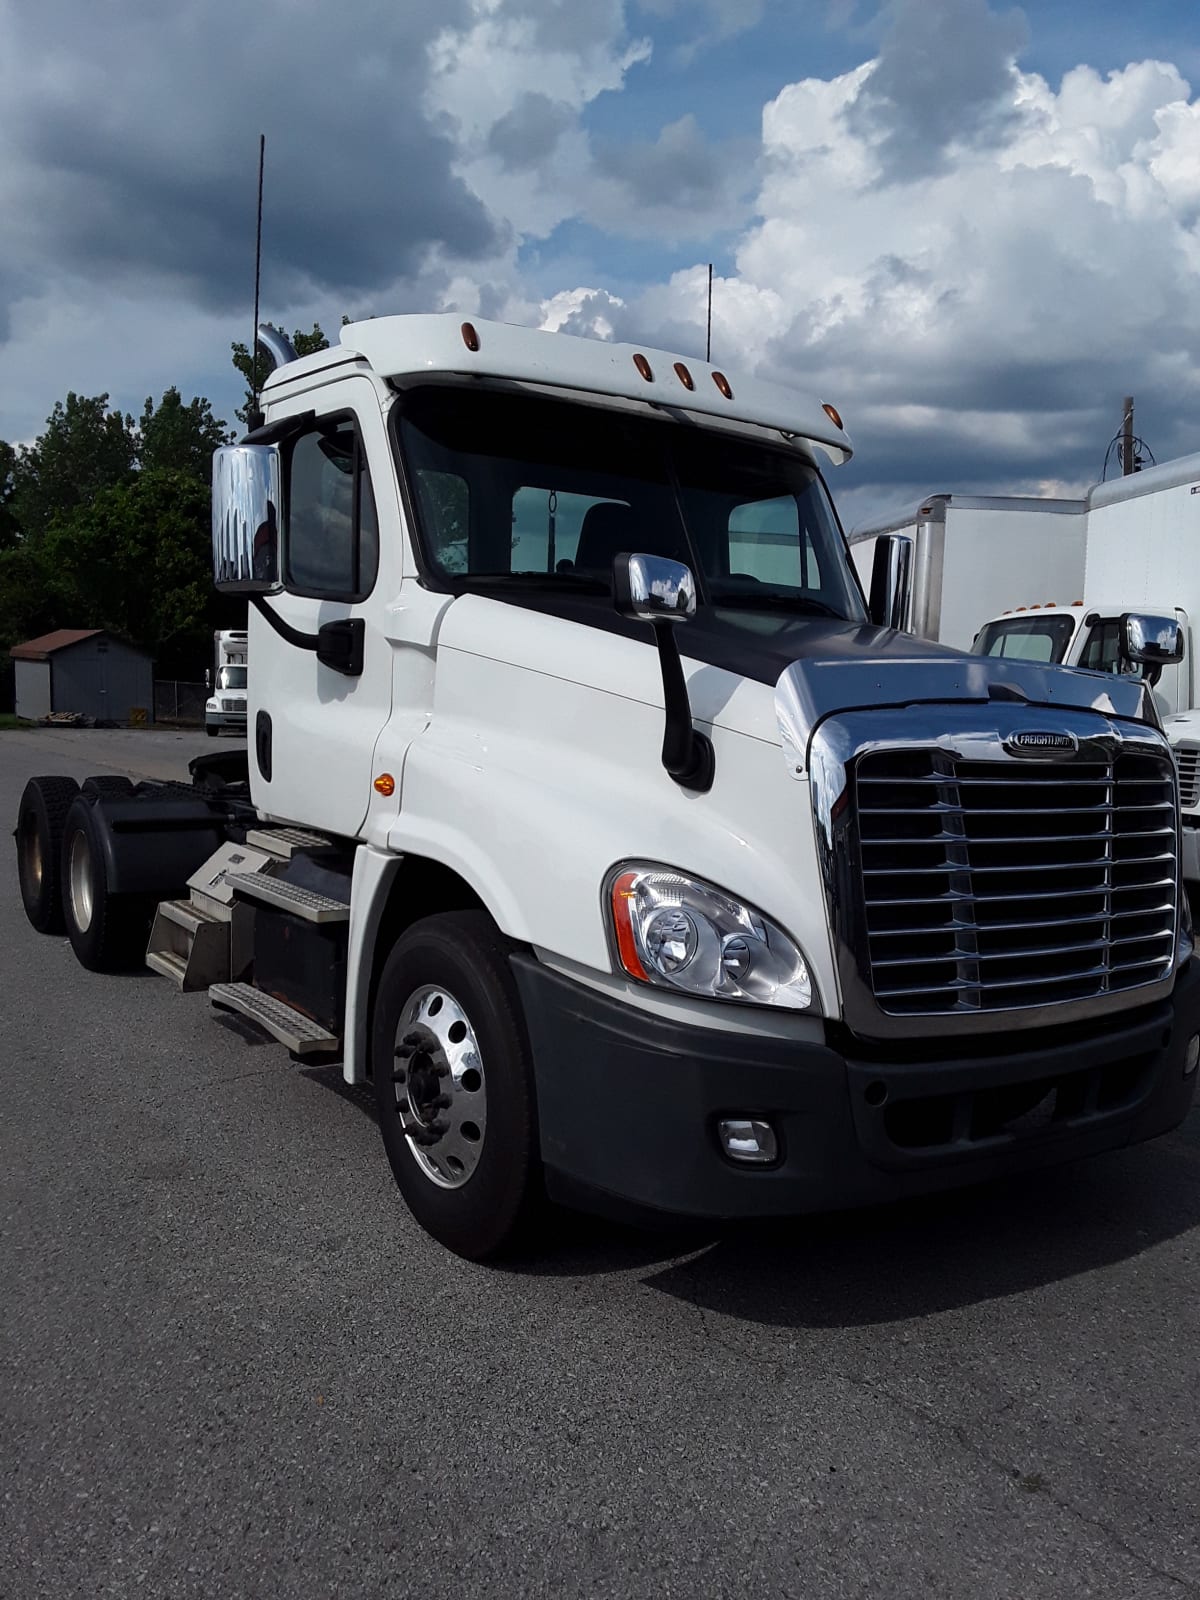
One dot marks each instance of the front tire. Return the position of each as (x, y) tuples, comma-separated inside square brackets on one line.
[(210, 731), (454, 1085), (108, 932), (41, 815)]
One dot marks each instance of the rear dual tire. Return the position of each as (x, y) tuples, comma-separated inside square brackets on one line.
[(41, 816), (108, 932)]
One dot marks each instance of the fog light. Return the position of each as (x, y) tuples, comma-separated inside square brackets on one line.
[(1192, 1058), (748, 1139)]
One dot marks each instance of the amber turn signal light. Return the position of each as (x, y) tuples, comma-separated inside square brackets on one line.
[(385, 783)]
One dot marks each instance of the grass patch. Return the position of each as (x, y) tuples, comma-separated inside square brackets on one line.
[(8, 720)]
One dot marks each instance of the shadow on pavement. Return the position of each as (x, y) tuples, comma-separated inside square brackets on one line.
[(869, 1267)]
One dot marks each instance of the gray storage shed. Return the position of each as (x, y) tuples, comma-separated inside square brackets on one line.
[(85, 670)]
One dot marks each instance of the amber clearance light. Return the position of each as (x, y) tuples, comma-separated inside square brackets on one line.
[(385, 783), (833, 414)]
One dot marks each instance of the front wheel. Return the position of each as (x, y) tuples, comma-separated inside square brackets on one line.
[(454, 1085), (211, 731), (108, 932)]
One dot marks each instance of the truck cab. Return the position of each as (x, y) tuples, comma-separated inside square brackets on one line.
[(597, 819), (225, 708)]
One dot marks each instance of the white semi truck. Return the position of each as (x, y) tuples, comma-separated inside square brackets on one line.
[(594, 816), (1141, 544), (970, 556), (226, 704)]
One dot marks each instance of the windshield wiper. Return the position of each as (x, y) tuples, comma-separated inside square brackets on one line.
[(553, 580), (770, 601)]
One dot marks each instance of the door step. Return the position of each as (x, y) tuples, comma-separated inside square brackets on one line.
[(301, 1035), (286, 896), (189, 944), (284, 843)]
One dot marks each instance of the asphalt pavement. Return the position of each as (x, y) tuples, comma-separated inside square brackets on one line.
[(231, 1365)]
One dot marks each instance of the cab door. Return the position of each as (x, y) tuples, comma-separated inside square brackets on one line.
[(312, 727)]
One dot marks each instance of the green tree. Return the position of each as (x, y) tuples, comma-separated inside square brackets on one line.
[(85, 448), (136, 560), (305, 344), (9, 527), (180, 438)]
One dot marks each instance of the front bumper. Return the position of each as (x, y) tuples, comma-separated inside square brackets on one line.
[(628, 1103), (226, 719)]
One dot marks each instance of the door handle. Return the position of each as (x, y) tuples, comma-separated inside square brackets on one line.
[(340, 645)]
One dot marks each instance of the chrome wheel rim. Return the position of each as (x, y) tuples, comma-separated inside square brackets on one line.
[(441, 1097), (32, 865), (79, 879)]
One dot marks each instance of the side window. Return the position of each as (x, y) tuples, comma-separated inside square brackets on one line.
[(446, 506), (332, 528), (768, 542)]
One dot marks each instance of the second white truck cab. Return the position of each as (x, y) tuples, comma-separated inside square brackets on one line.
[(226, 704), (1142, 536), (594, 816)]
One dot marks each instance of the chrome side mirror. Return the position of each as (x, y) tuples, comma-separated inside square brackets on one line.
[(245, 519), (891, 579), (1150, 641), (653, 589)]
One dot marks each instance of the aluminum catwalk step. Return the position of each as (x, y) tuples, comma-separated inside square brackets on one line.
[(284, 842), (292, 1028), (286, 896)]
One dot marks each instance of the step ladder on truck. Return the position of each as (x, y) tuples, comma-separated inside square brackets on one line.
[(595, 815)]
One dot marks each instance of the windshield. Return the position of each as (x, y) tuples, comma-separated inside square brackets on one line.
[(231, 678), (516, 489), (1028, 638)]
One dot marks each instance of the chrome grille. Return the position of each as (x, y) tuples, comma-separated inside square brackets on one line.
[(1187, 760), (989, 885), (233, 705)]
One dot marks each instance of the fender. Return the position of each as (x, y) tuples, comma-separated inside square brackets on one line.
[(370, 885), (153, 846)]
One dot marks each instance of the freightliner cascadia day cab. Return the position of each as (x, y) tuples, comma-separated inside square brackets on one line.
[(226, 705), (1141, 537), (596, 818)]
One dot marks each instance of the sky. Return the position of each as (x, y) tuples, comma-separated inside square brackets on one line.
[(973, 228)]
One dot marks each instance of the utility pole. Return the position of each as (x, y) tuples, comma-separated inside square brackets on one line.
[(1127, 436)]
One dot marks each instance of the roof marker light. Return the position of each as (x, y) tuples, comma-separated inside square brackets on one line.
[(722, 383), (644, 367), (833, 414), (1076, 602), (684, 376), (470, 337)]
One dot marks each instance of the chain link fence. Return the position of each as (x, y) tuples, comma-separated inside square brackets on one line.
[(179, 703)]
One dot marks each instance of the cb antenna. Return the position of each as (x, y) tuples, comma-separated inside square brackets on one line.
[(708, 343), (262, 154)]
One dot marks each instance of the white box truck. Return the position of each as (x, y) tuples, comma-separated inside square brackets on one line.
[(973, 555), (226, 704), (594, 817), (1142, 552)]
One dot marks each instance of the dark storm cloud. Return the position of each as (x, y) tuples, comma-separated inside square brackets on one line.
[(134, 147), (943, 77), (679, 168), (527, 135)]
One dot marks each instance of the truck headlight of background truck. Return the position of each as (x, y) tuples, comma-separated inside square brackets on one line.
[(681, 933)]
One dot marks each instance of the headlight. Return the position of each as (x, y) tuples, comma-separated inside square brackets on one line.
[(682, 934)]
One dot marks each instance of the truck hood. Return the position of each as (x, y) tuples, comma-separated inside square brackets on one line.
[(814, 666), (897, 670)]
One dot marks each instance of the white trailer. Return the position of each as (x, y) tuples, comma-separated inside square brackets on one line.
[(592, 819), (226, 704), (1142, 542), (972, 555)]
